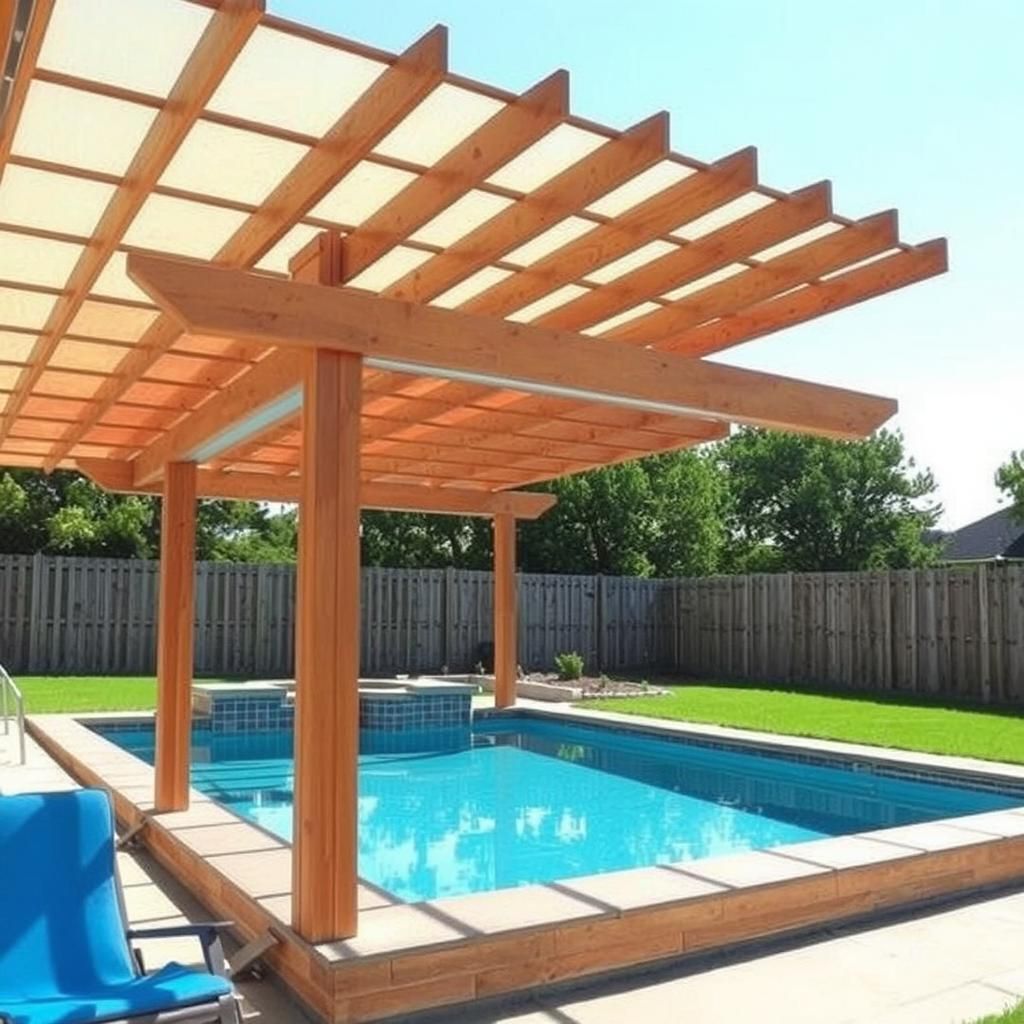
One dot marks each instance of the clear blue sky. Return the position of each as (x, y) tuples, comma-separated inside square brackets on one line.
[(913, 104)]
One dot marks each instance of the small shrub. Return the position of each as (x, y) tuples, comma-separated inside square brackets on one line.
[(569, 665)]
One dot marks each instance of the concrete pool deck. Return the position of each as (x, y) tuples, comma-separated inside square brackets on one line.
[(411, 956)]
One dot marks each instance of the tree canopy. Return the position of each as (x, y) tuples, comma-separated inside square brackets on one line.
[(1010, 480), (66, 514), (804, 504), (758, 501)]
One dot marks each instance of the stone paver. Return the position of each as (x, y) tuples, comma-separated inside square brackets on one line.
[(948, 967)]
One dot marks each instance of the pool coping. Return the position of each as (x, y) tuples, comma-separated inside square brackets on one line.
[(414, 956)]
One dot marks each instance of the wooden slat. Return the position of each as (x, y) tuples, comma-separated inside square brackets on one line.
[(222, 40), (354, 135), (584, 182), (465, 167), (581, 436), (692, 197), (117, 476), (846, 289), (729, 244), (864, 239), (442, 342), (324, 847), (506, 652), (174, 656), (253, 391)]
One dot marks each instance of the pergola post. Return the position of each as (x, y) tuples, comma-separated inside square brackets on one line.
[(506, 630), (174, 636), (324, 844)]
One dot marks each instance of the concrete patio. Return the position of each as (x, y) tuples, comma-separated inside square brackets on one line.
[(950, 966)]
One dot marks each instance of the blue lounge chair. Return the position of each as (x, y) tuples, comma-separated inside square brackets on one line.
[(64, 938)]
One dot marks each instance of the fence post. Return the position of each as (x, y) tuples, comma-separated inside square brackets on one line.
[(602, 623), (984, 654), (448, 639), (35, 625)]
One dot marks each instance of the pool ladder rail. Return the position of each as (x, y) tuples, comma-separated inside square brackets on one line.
[(8, 691)]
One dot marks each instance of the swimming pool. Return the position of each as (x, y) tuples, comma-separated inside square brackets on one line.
[(518, 800)]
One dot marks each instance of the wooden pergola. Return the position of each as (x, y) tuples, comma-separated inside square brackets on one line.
[(243, 258)]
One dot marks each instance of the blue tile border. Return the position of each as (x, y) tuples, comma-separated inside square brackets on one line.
[(849, 762)]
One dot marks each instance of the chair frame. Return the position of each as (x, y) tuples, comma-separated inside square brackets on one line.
[(226, 1010)]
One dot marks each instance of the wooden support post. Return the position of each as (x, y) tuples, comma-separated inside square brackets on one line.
[(327, 652), (506, 631), (174, 636)]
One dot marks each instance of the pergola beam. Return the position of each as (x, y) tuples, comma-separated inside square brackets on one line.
[(118, 477), (444, 343)]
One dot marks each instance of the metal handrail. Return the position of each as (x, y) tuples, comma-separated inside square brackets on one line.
[(7, 683)]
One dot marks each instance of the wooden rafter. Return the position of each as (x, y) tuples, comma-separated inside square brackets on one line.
[(584, 182), (223, 38), (729, 244), (439, 342), (908, 266), (690, 198), (862, 240), (465, 167), (735, 241), (356, 132), (119, 477)]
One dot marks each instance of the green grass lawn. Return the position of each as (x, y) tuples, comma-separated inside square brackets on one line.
[(57, 694), (881, 720), (1015, 1015)]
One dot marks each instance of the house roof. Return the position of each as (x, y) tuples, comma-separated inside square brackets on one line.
[(216, 132), (998, 535)]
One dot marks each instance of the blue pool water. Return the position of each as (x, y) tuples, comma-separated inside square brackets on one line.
[(521, 800)]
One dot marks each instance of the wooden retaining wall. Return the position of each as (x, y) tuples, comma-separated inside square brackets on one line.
[(942, 632)]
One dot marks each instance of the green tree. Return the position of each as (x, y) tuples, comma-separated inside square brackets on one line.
[(65, 513), (661, 516), (809, 504), (1010, 480), (415, 540)]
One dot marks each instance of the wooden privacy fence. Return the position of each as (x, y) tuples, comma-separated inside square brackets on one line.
[(955, 632), (947, 632), (85, 615)]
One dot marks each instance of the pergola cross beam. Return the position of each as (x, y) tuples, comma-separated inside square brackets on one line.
[(434, 342), (120, 478)]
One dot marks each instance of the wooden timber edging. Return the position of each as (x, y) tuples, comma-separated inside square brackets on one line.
[(411, 957), (944, 633)]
